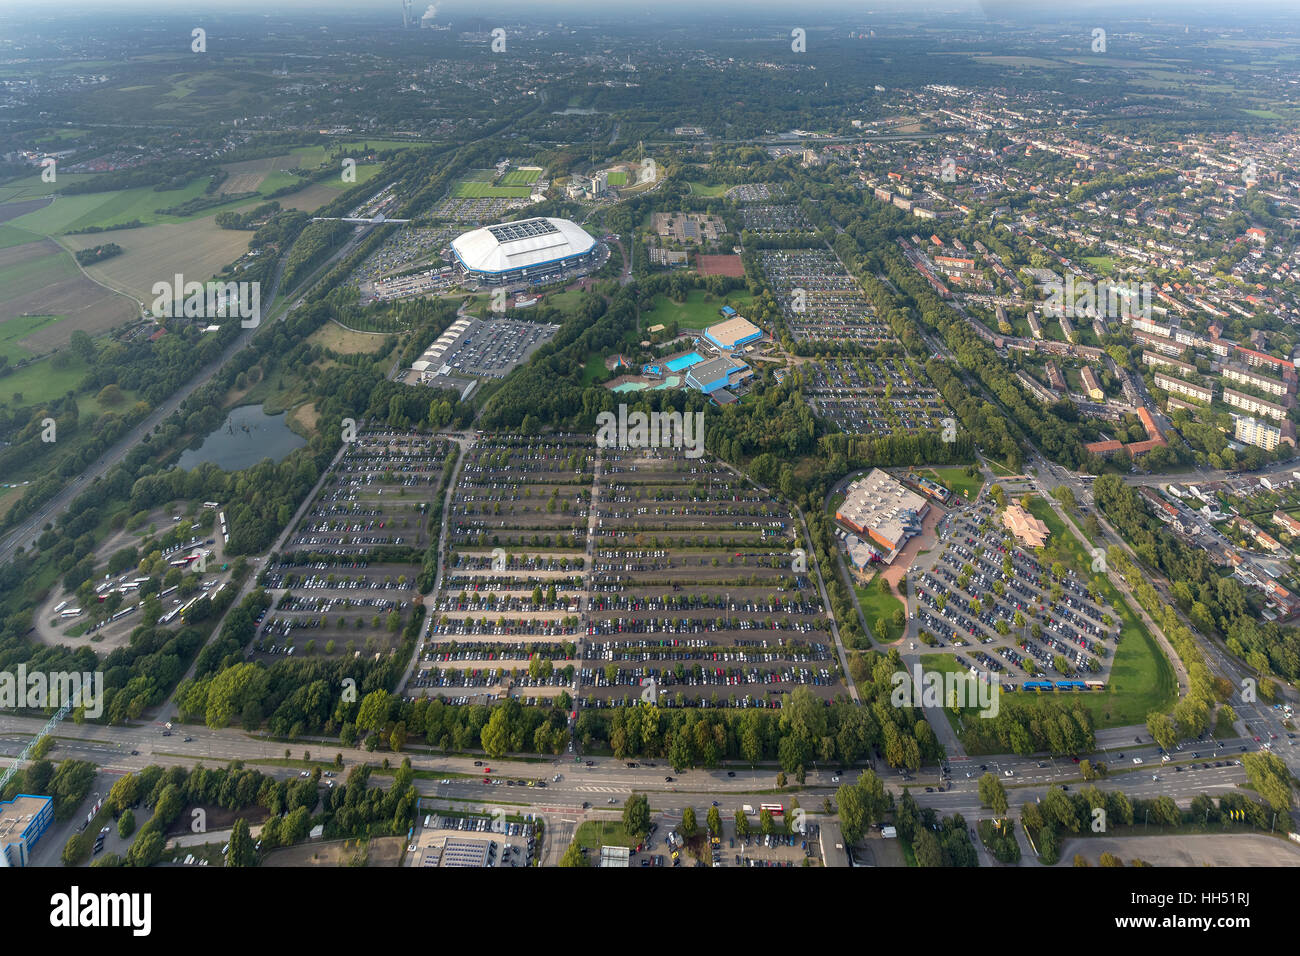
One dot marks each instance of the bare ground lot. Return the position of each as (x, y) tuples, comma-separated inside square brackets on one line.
[(1229, 849), (382, 851)]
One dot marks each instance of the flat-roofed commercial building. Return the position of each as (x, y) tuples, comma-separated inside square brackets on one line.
[(462, 853), (733, 333), (22, 822), (714, 374), (883, 509)]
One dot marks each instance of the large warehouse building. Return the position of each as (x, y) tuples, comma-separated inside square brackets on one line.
[(882, 509), (733, 333), (529, 250)]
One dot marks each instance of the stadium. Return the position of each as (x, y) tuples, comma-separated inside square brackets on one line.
[(530, 250)]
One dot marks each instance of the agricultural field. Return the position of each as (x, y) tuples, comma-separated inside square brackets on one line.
[(44, 298), (197, 249)]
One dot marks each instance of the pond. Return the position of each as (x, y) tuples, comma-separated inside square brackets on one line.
[(246, 437)]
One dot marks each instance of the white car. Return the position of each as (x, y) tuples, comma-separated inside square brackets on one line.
[(1008, 773), (1137, 760)]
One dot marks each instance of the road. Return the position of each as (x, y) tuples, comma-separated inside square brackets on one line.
[(29, 530), (607, 778)]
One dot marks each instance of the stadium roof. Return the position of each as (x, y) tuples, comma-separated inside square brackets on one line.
[(519, 245)]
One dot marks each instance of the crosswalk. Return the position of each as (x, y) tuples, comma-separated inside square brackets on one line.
[(591, 788)]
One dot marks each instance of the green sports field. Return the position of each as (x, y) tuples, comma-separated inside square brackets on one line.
[(521, 177), (617, 179), (476, 189)]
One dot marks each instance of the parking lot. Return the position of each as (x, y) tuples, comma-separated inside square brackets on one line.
[(491, 348), (516, 491), (692, 590), (512, 841), (833, 306), (986, 598), (881, 397), (378, 496), (345, 583), (773, 218)]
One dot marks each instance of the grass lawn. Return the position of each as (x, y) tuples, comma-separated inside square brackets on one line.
[(594, 369), (699, 311), (875, 604), (957, 481), (40, 381), (700, 189), (593, 834), (1141, 679), (999, 469), (566, 302), (1103, 264)]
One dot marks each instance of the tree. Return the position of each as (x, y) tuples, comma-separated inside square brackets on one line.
[(574, 856), (993, 794), (928, 851), (495, 736), (853, 812), (742, 824), (636, 816), (715, 822), (765, 823), (373, 712), (241, 852), (126, 824), (147, 848), (1162, 730), (689, 827)]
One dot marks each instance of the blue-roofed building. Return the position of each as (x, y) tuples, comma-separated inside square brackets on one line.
[(714, 374), (22, 822)]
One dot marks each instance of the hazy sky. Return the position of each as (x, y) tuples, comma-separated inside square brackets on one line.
[(1230, 11)]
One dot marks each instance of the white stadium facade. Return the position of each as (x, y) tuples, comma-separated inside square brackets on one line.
[(530, 250)]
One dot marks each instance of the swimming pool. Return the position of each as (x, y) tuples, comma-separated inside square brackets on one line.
[(628, 387), (684, 361)]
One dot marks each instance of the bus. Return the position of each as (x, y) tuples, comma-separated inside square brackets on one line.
[(60, 606), (1095, 684), (70, 612), (773, 808)]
